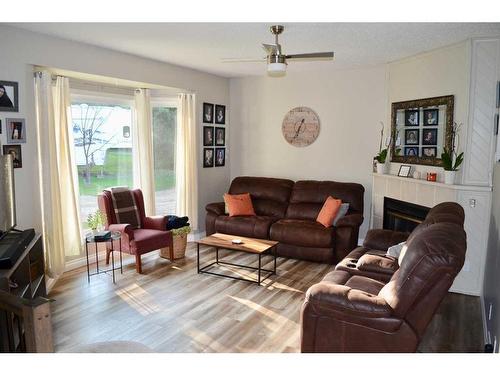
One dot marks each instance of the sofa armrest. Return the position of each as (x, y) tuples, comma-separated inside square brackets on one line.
[(382, 239), (328, 298), (155, 222), (377, 263), (351, 220), (123, 229), (217, 208)]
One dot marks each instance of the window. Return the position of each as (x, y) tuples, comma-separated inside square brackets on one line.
[(103, 147), (164, 118)]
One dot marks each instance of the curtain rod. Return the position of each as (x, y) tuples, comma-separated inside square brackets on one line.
[(110, 86)]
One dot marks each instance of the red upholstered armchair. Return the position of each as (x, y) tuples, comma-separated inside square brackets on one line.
[(152, 234)]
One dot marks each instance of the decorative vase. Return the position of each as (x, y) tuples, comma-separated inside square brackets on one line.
[(381, 168), (449, 177)]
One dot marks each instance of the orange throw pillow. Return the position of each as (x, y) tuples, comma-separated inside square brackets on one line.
[(329, 211), (239, 204)]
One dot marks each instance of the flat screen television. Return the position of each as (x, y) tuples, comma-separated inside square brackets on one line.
[(7, 195)]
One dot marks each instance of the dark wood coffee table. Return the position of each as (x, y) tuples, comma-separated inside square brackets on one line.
[(248, 245)]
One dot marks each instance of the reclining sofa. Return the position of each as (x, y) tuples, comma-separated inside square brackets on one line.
[(373, 302), (286, 212)]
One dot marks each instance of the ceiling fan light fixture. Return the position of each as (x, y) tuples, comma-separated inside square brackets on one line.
[(276, 69)]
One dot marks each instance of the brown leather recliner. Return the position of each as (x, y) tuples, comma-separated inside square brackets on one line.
[(371, 260), (286, 212), (346, 312)]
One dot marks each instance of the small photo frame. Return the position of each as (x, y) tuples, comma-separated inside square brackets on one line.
[(220, 136), (429, 137), (431, 117), (9, 96), (220, 114), (220, 157), (404, 170), (411, 117), (429, 152), (15, 129), (412, 136), (15, 151), (208, 113), (208, 136), (411, 151), (208, 157)]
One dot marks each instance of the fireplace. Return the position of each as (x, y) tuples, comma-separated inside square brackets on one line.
[(402, 216)]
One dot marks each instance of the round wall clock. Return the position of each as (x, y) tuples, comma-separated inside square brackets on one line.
[(300, 126)]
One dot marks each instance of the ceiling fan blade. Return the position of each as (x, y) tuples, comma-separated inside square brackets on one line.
[(237, 59), (314, 55), (269, 48)]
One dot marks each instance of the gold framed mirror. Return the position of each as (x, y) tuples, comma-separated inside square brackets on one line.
[(421, 129)]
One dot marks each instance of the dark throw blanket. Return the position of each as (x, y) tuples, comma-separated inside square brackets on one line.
[(175, 222)]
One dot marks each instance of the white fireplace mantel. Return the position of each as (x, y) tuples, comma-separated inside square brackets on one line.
[(476, 201)]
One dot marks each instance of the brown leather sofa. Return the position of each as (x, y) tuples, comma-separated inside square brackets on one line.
[(286, 212), (379, 304)]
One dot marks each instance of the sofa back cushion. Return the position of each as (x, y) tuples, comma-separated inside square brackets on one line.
[(308, 198), (270, 196), (433, 258)]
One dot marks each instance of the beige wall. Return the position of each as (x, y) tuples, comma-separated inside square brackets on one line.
[(440, 72), (350, 105), (22, 49)]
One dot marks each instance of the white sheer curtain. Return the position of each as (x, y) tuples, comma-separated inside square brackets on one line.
[(144, 160), (57, 172), (186, 178)]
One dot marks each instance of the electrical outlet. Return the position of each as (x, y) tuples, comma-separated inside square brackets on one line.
[(490, 311), (472, 203)]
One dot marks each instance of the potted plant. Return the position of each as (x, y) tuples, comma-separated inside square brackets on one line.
[(96, 220), (451, 166), (180, 243), (381, 158)]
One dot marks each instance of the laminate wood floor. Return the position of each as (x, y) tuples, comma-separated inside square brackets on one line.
[(171, 308)]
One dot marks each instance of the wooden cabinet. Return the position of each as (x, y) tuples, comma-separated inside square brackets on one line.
[(26, 279)]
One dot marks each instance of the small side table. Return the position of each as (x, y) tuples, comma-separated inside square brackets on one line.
[(89, 238)]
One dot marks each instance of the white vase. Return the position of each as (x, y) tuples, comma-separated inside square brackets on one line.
[(381, 168), (449, 177)]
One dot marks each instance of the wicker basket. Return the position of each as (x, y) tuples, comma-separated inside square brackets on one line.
[(180, 243)]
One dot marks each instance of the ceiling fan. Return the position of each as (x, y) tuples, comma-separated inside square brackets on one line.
[(277, 60)]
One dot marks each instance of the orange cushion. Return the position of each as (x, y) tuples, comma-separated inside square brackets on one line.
[(329, 211), (239, 204)]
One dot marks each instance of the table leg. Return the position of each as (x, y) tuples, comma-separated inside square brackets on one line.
[(258, 280), (217, 255), (96, 257), (113, 260), (274, 261), (88, 267), (198, 256), (121, 260)]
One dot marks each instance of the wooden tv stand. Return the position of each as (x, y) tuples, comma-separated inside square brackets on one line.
[(25, 323)]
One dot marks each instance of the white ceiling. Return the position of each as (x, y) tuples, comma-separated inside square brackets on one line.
[(202, 45)]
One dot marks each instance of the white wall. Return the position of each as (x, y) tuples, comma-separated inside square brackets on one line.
[(350, 105), (444, 71), (22, 49)]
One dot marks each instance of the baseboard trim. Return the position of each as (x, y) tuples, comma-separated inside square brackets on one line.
[(49, 283), (196, 236), (484, 317)]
